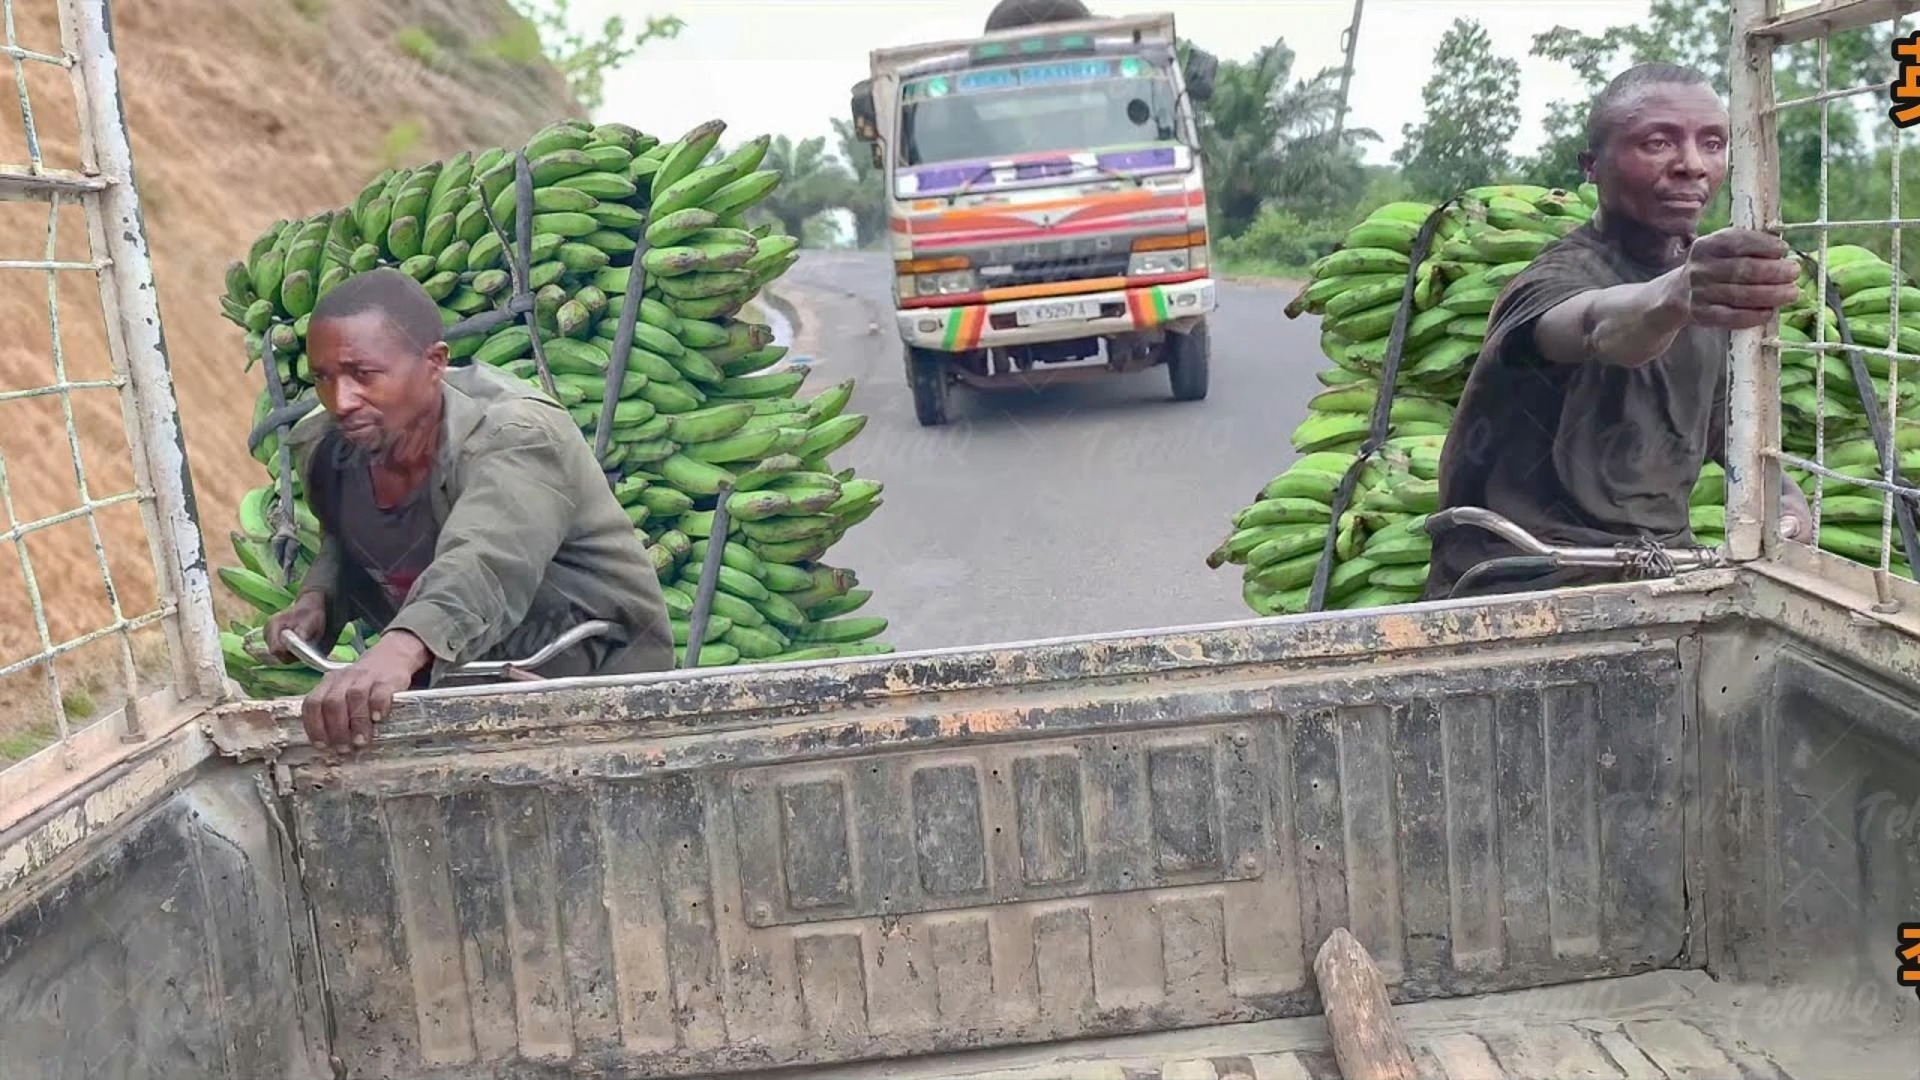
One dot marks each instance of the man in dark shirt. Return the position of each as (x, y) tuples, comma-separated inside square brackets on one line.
[(1602, 385), (461, 512)]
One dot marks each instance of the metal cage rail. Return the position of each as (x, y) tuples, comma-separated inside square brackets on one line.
[(1757, 459), (102, 187)]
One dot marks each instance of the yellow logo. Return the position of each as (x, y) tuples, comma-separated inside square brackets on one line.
[(1906, 92), (1910, 955)]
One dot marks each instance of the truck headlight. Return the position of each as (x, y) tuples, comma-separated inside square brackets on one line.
[(1149, 263), (950, 283), (946, 283)]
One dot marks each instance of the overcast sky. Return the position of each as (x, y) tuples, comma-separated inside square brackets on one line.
[(784, 66)]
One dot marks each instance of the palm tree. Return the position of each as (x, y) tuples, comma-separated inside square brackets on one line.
[(866, 197), (1268, 138), (811, 182)]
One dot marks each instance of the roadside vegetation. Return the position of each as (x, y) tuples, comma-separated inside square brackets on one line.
[(1285, 186)]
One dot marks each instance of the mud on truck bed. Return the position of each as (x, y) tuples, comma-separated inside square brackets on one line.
[(1661, 830)]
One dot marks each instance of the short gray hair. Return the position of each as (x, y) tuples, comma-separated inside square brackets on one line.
[(1602, 116)]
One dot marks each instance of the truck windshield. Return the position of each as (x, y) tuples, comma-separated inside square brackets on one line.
[(940, 123)]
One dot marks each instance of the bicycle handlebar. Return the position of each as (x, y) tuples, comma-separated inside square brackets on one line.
[(308, 655), (1695, 558)]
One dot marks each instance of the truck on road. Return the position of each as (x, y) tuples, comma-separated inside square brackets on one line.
[(1047, 203)]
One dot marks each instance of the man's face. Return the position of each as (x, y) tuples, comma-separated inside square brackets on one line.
[(376, 384), (1665, 157)]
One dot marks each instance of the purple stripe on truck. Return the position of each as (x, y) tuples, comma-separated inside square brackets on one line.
[(943, 177)]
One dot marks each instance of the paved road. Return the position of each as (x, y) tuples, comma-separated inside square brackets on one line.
[(1078, 509)]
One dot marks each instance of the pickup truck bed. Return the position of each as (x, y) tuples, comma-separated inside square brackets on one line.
[(1664, 1025), (1666, 830)]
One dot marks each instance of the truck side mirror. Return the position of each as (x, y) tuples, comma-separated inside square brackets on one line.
[(865, 122), (1200, 68)]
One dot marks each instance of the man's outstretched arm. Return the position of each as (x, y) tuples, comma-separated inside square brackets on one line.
[(1731, 279), (1627, 325)]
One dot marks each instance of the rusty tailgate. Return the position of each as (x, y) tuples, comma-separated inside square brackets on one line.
[(1005, 860)]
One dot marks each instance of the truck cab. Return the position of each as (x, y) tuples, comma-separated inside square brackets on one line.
[(1047, 205)]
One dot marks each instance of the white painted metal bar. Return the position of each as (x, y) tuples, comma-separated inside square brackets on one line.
[(1829, 226), (1837, 346), (92, 267), (129, 671), (19, 183), (60, 388), (15, 52), (1759, 27), (1753, 426), (1858, 481), (1825, 95), (1819, 20), (37, 606), (1820, 324), (27, 528), (20, 58), (50, 652), (149, 407), (1893, 322)]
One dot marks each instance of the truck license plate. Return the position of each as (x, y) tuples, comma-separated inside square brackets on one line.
[(1057, 311)]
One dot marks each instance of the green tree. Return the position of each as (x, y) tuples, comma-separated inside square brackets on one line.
[(1472, 112), (1696, 33), (1268, 138), (811, 182), (866, 196), (1691, 32), (585, 56)]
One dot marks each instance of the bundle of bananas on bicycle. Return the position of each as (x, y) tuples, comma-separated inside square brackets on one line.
[(704, 400), (1483, 240)]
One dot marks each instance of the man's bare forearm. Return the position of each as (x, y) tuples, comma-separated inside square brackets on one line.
[(1628, 325)]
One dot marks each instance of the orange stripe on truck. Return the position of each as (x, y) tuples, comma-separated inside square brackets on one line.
[(1053, 288)]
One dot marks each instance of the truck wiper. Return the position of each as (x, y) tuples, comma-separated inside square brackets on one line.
[(987, 170), (1105, 170), (979, 174)]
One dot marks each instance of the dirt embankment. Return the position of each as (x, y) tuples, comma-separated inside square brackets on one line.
[(240, 113)]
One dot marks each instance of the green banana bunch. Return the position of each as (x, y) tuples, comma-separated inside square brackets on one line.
[(703, 399), (1484, 238)]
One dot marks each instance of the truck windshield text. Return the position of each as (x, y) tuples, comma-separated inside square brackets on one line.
[(1003, 112)]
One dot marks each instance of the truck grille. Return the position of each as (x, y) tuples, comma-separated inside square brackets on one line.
[(1044, 271)]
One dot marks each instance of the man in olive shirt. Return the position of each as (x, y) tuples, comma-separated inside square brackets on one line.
[(462, 513), (1602, 385)]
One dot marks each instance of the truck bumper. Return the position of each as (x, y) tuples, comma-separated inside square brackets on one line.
[(1055, 318)]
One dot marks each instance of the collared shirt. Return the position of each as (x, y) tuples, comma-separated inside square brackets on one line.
[(527, 539)]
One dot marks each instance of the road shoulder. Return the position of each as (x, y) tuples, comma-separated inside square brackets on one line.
[(801, 310), (1291, 283)]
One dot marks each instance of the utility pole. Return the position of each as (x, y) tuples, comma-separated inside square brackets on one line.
[(1349, 43)]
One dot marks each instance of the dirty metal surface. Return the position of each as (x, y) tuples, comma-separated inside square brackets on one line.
[(1813, 818), (576, 710), (1062, 864), (1667, 1025), (163, 954)]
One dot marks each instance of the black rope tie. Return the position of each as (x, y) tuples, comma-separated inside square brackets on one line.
[(1382, 404)]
